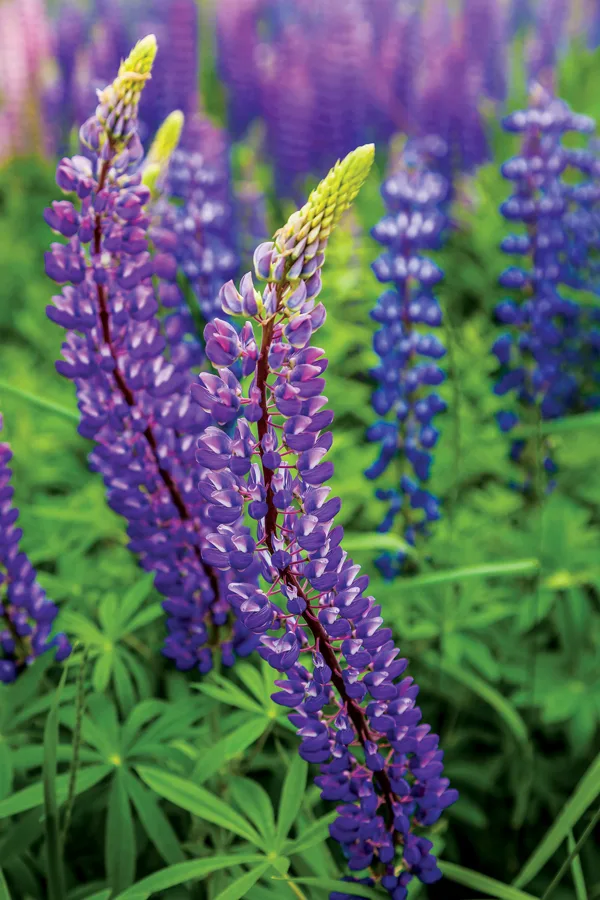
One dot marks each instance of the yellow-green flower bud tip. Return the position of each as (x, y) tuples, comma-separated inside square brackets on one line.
[(165, 142), (307, 230), (119, 101)]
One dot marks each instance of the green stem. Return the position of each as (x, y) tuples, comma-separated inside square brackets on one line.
[(574, 852)]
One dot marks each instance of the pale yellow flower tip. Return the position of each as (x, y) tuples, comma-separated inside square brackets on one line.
[(165, 142), (141, 58)]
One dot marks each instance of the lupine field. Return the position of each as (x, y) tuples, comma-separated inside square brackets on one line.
[(299, 463)]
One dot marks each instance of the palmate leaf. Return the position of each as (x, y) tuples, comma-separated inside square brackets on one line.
[(580, 800), (56, 874), (154, 822), (355, 890), (238, 888), (33, 796), (217, 755), (252, 798), (199, 802), (193, 870)]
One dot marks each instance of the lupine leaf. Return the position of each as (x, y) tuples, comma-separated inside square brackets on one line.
[(485, 570), (4, 892), (219, 753), (238, 888), (292, 795), (478, 882), (155, 823), (584, 795), (199, 802), (56, 874), (355, 890), (33, 796), (315, 833), (120, 835), (193, 870), (253, 799)]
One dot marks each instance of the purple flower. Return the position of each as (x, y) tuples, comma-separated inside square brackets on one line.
[(133, 392), (377, 762), (26, 614)]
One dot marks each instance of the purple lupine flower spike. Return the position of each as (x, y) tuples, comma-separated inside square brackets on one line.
[(406, 398), (346, 689), (133, 398), (536, 353), (26, 613)]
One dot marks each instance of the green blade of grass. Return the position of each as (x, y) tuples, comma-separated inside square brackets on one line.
[(573, 857), (576, 869), (582, 798), (4, 892), (559, 426), (464, 573), (478, 882), (40, 402)]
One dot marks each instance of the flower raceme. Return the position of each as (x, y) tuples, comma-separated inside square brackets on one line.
[(343, 682), (133, 397), (26, 614)]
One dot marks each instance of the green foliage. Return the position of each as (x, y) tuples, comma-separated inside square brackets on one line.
[(182, 787)]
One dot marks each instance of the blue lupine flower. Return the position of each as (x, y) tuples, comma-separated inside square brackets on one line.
[(539, 354), (409, 350), (26, 613)]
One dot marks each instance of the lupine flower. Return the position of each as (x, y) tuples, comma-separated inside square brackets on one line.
[(405, 398), (134, 400), (536, 354), (26, 613), (348, 696), (193, 226)]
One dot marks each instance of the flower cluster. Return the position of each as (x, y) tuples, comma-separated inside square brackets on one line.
[(133, 399), (26, 613), (405, 398), (346, 689), (538, 354), (193, 221)]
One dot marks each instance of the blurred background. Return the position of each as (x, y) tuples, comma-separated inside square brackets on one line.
[(499, 610)]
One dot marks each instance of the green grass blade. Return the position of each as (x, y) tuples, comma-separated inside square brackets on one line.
[(40, 402), (238, 889), (572, 857), (54, 860), (576, 869), (464, 573), (489, 694), (582, 798), (193, 870), (478, 882), (4, 892), (376, 541), (199, 802)]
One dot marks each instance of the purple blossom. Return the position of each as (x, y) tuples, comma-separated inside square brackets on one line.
[(133, 398), (346, 689), (26, 614)]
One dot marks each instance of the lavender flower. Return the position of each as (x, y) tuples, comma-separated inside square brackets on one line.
[(26, 613), (134, 400), (536, 354), (405, 398), (355, 715)]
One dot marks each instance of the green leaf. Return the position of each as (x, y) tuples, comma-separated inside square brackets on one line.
[(238, 888), (56, 874), (484, 570), (576, 869), (315, 833), (292, 795), (253, 799), (489, 694), (133, 599), (199, 802), (346, 887), (193, 870), (559, 426), (155, 823), (4, 892), (40, 402), (584, 795), (6, 769), (218, 754), (226, 692), (479, 882), (120, 835), (33, 795), (376, 541)]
